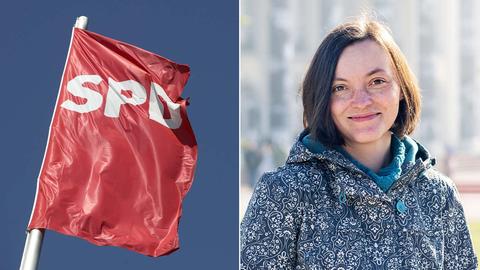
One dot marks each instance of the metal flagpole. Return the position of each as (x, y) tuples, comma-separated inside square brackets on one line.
[(32, 248), (33, 244)]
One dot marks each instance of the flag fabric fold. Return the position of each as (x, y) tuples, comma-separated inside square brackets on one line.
[(121, 153)]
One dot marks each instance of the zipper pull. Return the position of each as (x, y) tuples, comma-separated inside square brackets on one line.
[(401, 207)]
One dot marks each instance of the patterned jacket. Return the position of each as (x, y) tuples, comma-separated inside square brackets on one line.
[(319, 211)]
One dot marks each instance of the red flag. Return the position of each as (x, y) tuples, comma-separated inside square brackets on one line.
[(121, 153)]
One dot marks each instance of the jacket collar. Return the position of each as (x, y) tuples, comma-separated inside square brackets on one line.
[(300, 153), (348, 186)]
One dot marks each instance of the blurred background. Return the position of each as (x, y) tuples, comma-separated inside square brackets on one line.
[(441, 41)]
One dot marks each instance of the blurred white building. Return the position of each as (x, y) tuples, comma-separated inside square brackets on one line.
[(469, 75)]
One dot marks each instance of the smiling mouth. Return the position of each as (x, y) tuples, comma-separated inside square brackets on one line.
[(361, 118)]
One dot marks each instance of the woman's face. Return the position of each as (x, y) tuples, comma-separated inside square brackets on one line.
[(366, 96)]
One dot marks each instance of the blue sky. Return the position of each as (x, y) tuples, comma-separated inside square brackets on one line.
[(202, 34)]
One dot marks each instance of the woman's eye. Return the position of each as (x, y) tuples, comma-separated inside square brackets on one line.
[(378, 82), (338, 88)]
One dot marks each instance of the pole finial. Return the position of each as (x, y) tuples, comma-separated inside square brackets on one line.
[(81, 22)]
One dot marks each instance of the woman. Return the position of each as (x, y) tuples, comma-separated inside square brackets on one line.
[(356, 192)]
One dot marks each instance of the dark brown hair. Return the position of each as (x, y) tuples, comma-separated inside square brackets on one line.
[(317, 84)]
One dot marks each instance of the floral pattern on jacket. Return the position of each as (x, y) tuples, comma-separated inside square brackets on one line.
[(319, 211)]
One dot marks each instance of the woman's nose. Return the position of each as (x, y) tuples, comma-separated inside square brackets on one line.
[(361, 97)]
